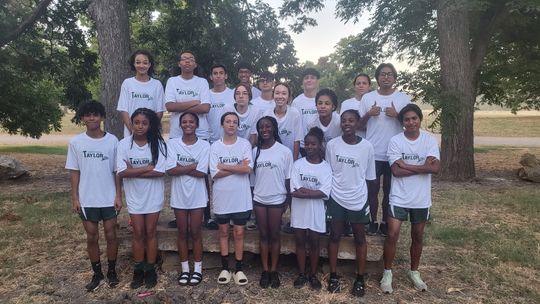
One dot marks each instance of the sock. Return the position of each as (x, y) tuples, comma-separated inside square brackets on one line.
[(388, 271), (112, 265), (96, 267), (360, 277), (197, 267), (239, 265), (185, 266), (139, 266), (333, 275), (225, 262), (149, 267)]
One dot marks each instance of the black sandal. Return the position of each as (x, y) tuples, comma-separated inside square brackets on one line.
[(196, 278), (183, 279)]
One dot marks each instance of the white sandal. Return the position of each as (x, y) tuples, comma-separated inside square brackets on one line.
[(224, 277), (240, 278)]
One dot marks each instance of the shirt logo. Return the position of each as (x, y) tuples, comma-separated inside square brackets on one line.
[(310, 179), (139, 161), (347, 160), (266, 164), (141, 96), (309, 111), (413, 157), (187, 92), (285, 132), (95, 154), (185, 159), (229, 160)]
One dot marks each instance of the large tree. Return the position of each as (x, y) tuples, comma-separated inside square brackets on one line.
[(450, 41)]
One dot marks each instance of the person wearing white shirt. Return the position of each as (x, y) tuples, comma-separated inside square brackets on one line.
[(96, 193), (188, 92), (327, 119), (230, 166), (141, 91), (288, 118), (272, 171), (248, 114), (305, 102), (413, 156), (220, 97), (244, 72), (311, 183), (141, 163), (379, 111), (187, 164), (265, 101), (353, 166), (361, 84)]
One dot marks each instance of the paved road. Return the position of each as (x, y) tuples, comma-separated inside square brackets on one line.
[(58, 140)]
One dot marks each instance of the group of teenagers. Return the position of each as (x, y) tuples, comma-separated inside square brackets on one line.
[(260, 151)]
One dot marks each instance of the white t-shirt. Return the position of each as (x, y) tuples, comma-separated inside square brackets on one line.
[(381, 128), (179, 89), (188, 192), (273, 167), (95, 159), (218, 101), (248, 120), (136, 94), (308, 110), (412, 191), (351, 166), (309, 213), (230, 194), (331, 131), (255, 92), (352, 104), (263, 104), (290, 126), (143, 194)]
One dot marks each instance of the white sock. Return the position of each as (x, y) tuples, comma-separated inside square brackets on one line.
[(185, 266), (388, 271), (197, 267)]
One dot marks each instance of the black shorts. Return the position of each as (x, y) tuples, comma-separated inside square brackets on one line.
[(281, 206), (383, 168), (97, 214), (238, 218)]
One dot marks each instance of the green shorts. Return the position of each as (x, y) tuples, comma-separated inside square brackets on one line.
[(337, 213), (97, 214), (416, 215)]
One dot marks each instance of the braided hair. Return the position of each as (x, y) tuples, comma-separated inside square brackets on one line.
[(275, 128), (153, 136)]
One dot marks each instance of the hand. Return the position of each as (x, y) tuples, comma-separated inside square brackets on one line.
[(76, 206), (401, 163), (118, 203), (375, 110), (220, 166), (245, 162), (391, 111)]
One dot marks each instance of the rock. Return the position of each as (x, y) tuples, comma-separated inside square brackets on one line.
[(10, 168), (531, 168)]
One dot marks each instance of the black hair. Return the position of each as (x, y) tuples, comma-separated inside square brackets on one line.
[(266, 75), (153, 136), (230, 113), (385, 65), (248, 88), (327, 92), (411, 107), (217, 65), (192, 114), (353, 112), (275, 126), (361, 75), (90, 107), (146, 53), (285, 85), (319, 135), (311, 71), (244, 65)]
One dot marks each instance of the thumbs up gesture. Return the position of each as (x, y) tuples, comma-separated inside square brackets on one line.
[(375, 110), (391, 111)]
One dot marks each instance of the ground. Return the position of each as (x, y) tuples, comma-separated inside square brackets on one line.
[(46, 261)]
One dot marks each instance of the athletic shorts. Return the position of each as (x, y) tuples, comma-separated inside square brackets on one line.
[(337, 213), (383, 168), (238, 218), (97, 214), (257, 204), (416, 215)]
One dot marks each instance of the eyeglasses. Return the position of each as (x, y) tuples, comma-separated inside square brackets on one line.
[(388, 74)]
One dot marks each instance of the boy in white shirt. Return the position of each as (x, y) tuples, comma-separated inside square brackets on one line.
[(413, 156), (96, 194), (305, 102), (245, 71), (265, 101)]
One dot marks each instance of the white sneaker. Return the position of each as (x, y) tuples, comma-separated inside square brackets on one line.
[(386, 281), (417, 280)]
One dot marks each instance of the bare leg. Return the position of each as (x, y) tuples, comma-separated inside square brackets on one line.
[(394, 226), (417, 234)]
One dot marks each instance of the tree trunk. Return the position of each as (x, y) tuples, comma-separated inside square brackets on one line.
[(112, 25), (458, 88)]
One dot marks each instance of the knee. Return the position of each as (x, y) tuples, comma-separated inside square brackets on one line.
[(238, 233), (92, 238), (334, 237), (359, 240), (417, 239), (224, 233), (274, 237), (196, 234), (110, 236)]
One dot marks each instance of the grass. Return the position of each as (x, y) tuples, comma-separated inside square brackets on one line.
[(52, 150)]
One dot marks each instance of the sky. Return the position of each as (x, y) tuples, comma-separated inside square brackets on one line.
[(321, 40)]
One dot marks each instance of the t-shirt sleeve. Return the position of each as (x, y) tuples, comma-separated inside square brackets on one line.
[(213, 160), (258, 115), (326, 181), (160, 97), (433, 148), (328, 153), (202, 165), (248, 154), (393, 151), (161, 165), (362, 109), (115, 153), (205, 92), (170, 95), (370, 170), (123, 100), (298, 128), (171, 157), (295, 176), (71, 161), (121, 157), (288, 164)]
